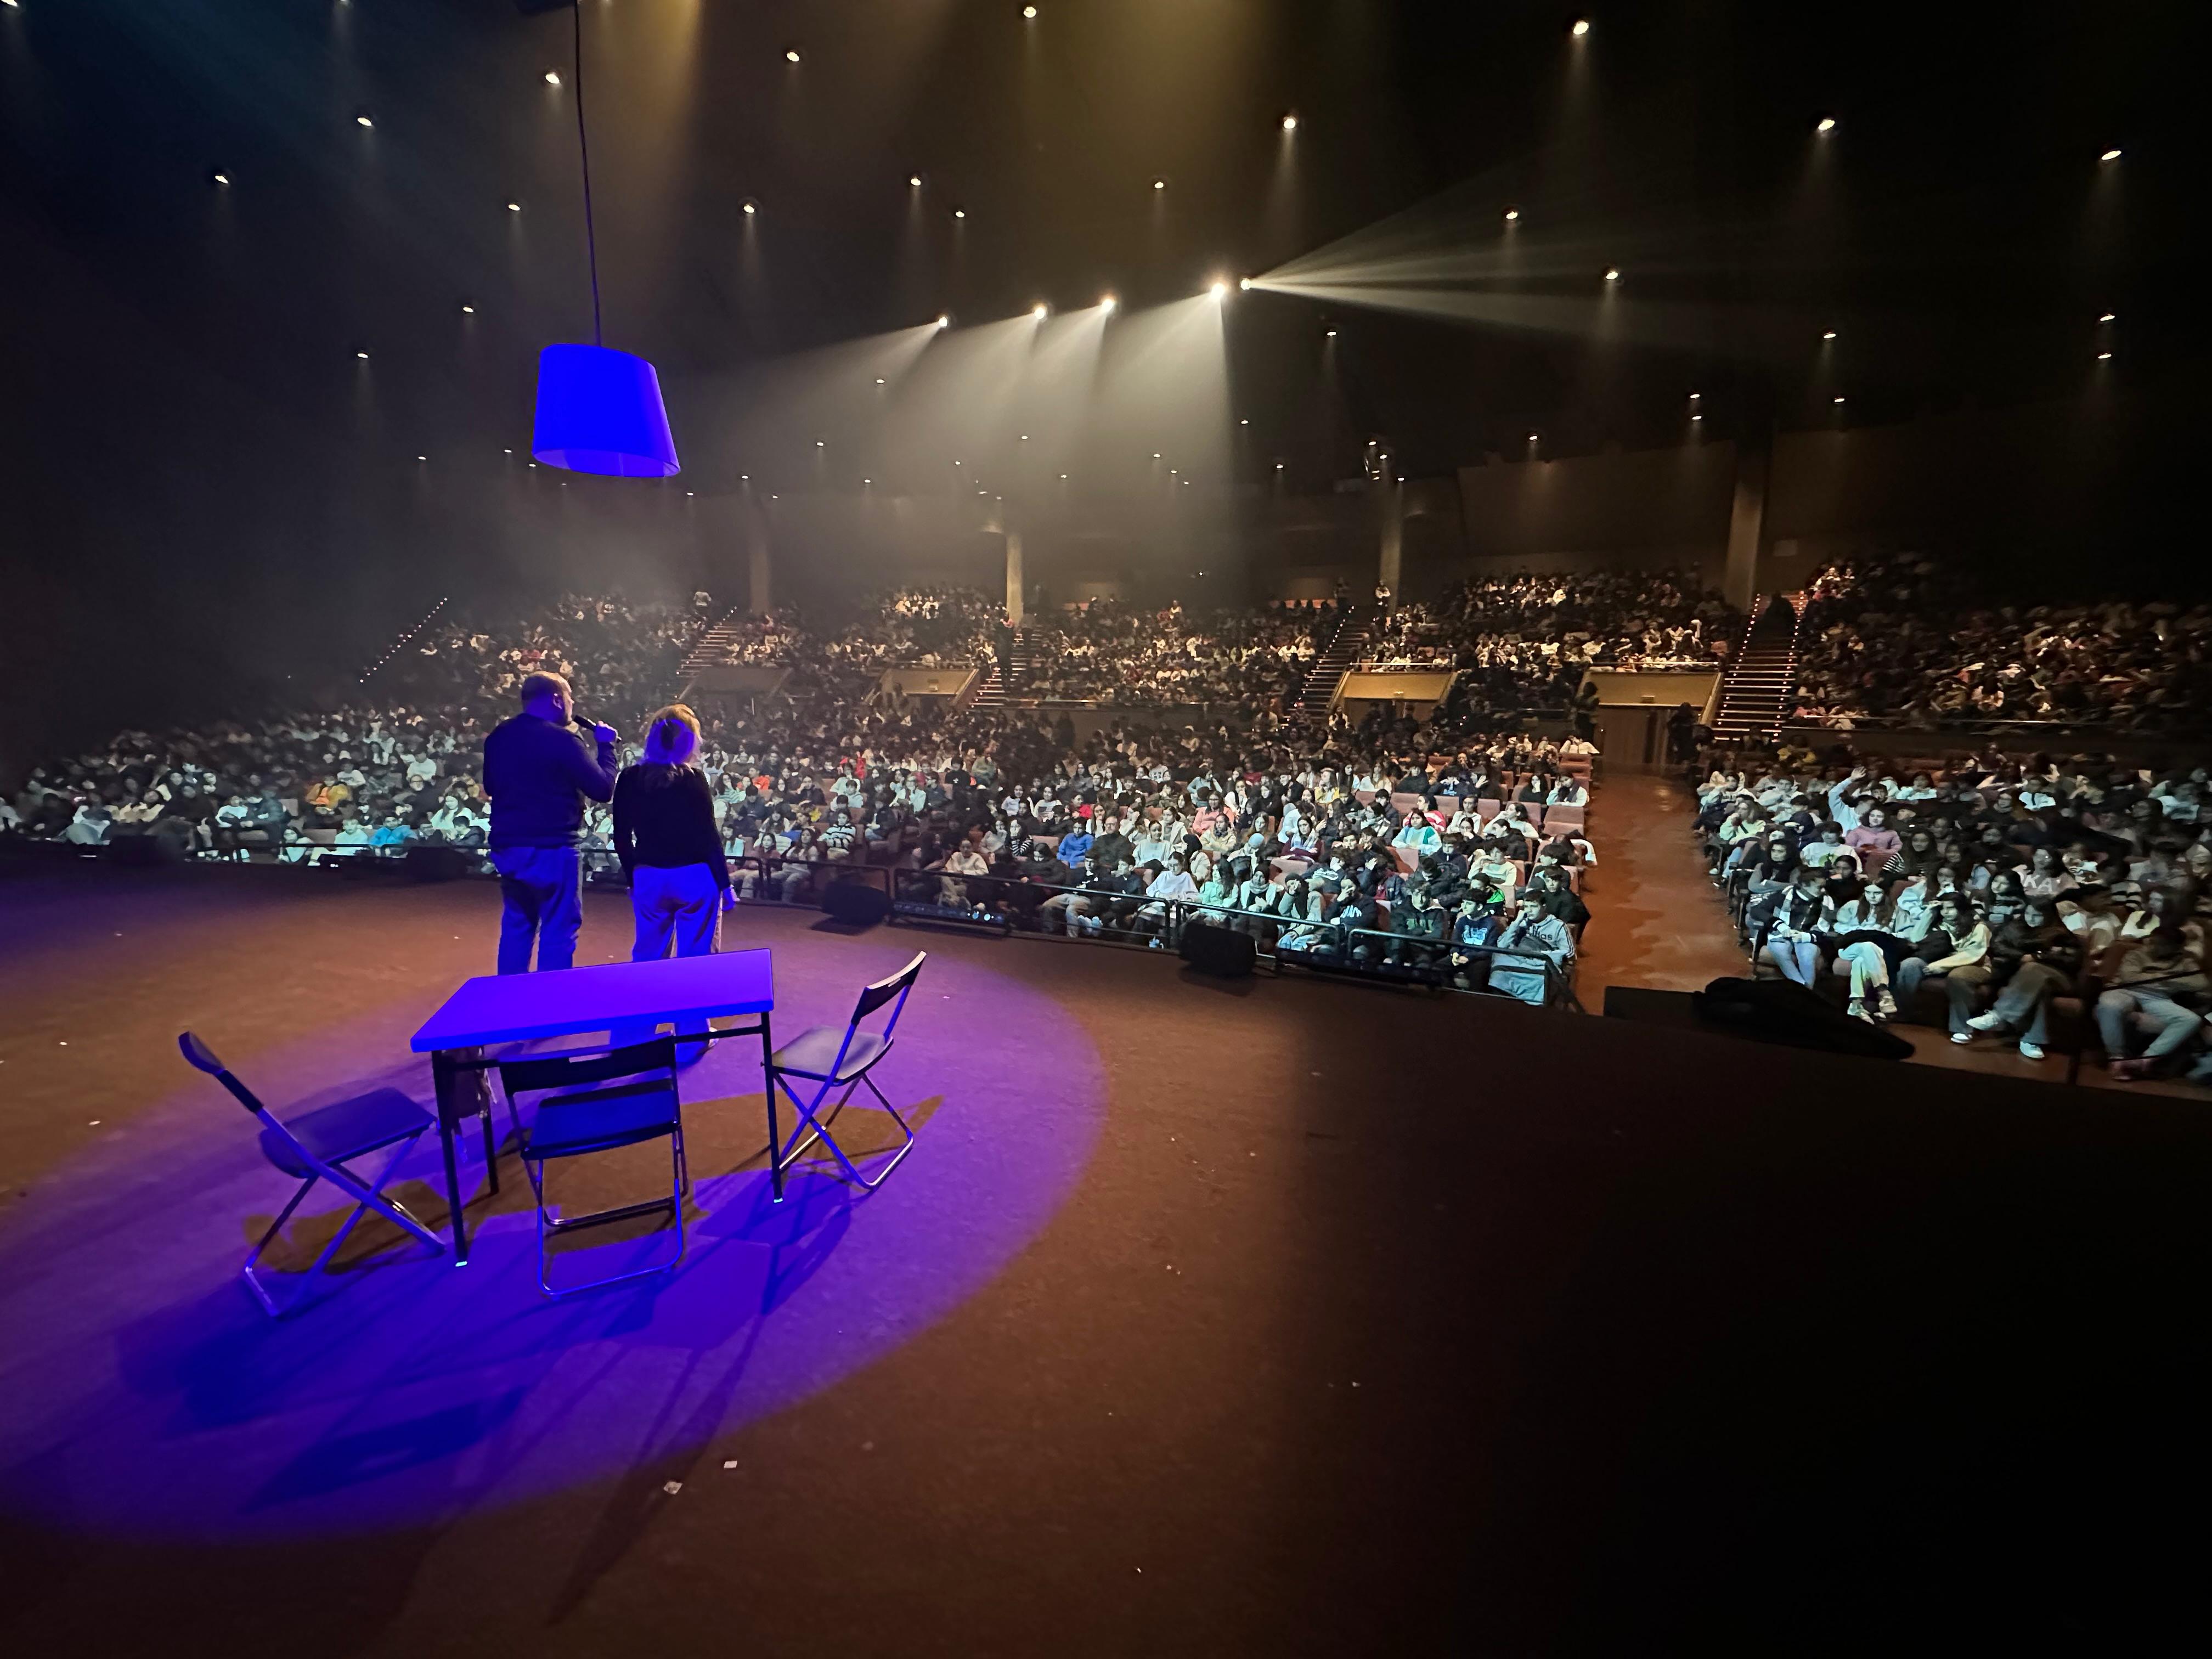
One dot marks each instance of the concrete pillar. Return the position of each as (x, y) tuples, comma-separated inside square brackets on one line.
[(1390, 515), (1746, 527), (761, 599), (1013, 579)]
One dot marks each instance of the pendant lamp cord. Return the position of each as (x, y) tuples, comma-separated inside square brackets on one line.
[(584, 148)]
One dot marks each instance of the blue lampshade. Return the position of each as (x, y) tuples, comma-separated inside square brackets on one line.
[(599, 410)]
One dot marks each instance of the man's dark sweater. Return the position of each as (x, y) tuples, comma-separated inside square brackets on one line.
[(538, 774)]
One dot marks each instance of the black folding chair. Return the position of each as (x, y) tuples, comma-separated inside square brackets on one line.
[(317, 1145), (831, 1057), (597, 1103)]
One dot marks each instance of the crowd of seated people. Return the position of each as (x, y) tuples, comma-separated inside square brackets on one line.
[(1525, 641), (1908, 641), (380, 775), (2005, 884), (1132, 656), (1383, 846)]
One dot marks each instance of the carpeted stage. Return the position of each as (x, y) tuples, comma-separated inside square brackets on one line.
[(1276, 1317)]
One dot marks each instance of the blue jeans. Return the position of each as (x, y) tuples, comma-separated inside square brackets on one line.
[(542, 891)]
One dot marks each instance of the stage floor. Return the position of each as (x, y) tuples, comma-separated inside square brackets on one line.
[(1274, 1316)]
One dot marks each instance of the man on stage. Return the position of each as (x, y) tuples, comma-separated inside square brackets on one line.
[(537, 773)]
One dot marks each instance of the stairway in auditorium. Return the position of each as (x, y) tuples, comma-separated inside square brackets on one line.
[(1756, 692), (1337, 656), (713, 646), (997, 683)]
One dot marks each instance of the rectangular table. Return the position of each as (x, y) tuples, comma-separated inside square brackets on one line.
[(512, 1008)]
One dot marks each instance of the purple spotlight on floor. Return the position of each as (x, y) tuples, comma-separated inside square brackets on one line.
[(599, 410)]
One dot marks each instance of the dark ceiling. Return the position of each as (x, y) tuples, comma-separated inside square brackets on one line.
[(180, 354)]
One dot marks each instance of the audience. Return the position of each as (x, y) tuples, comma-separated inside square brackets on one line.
[(1910, 642), (2007, 883)]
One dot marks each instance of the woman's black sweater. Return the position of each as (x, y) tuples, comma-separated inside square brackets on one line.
[(665, 818)]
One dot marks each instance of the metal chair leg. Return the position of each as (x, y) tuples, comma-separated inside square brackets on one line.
[(368, 1197)]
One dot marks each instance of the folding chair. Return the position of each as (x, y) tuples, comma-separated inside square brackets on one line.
[(317, 1145), (597, 1104), (829, 1057)]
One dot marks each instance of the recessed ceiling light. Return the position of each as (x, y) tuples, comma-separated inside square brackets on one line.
[(1696, 417), (1244, 423), (818, 444), (1612, 275), (1219, 290), (945, 322), (222, 178), (1159, 183), (879, 380), (1244, 283), (1532, 437), (1037, 311), (507, 452), (363, 120), (514, 207), (1838, 400), (421, 458), (791, 55), (2106, 318), (363, 356), (1697, 396), (1581, 27), (1291, 122), (1329, 334), (753, 206), (1828, 334), (552, 77), (1028, 11), (2110, 155), (1512, 215), (468, 310), (1825, 123), (2104, 356), (960, 213), (1106, 302)]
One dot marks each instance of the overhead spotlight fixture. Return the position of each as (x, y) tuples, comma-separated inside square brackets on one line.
[(1244, 284), (552, 77), (879, 380), (1244, 423), (222, 178), (467, 310), (753, 206), (1291, 121), (1159, 183), (1219, 290), (1329, 334), (1532, 437), (363, 120), (1828, 334), (1279, 467), (945, 322), (1825, 123), (791, 55), (421, 458), (1611, 273), (1697, 396), (867, 483), (362, 355), (1063, 477), (690, 492), (2104, 356), (2106, 318), (818, 444), (1696, 417), (960, 213), (1581, 27), (1025, 437), (2109, 155), (507, 452), (1155, 454), (514, 207), (1107, 303), (1837, 400), (914, 179), (1037, 311), (1028, 11), (1512, 215)]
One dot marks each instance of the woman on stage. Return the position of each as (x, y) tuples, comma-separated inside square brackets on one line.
[(670, 845)]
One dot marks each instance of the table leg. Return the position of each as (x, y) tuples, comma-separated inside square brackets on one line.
[(775, 1133), (446, 1077)]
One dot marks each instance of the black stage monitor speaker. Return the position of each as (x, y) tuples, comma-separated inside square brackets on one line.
[(436, 863), (144, 851), (856, 903), (1219, 952)]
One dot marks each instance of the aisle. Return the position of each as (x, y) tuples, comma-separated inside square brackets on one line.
[(1655, 918)]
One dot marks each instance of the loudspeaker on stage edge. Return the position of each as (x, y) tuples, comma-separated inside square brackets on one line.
[(856, 903), (1219, 951)]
